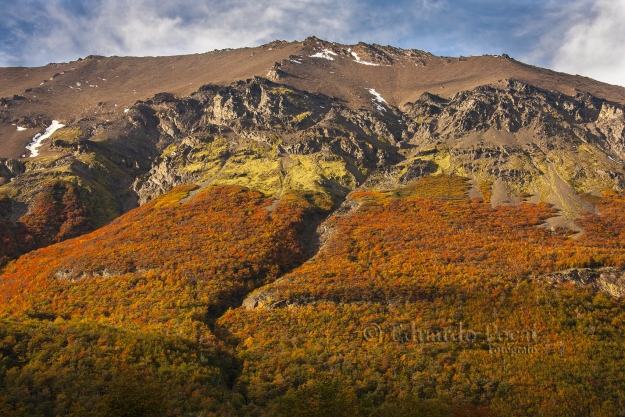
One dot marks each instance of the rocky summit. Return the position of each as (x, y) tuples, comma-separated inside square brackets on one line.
[(324, 117), (244, 197)]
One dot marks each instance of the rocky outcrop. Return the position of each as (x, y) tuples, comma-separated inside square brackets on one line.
[(510, 108), (611, 123), (9, 169), (536, 144), (395, 176), (182, 164), (539, 143), (259, 119), (610, 280), (74, 275)]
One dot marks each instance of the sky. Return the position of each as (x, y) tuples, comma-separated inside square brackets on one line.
[(585, 37)]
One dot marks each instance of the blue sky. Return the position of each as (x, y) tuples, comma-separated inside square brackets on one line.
[(577, 36)]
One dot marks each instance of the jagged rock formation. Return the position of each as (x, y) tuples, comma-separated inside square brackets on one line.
[(526, 142), (611, 125), (318, 125), (9, 169), (225, 132)]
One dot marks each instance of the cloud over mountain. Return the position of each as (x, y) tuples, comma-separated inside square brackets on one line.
[(594, 44), (578, 36)]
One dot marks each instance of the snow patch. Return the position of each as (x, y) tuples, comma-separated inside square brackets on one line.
[(296, 61), (34, 146), (358, 60), (611, 158), (125, 110), (325, 54), (379, 107), (20, 129), (377, 98)]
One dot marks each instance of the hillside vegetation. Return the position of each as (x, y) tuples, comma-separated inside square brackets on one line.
[(421, 300), (268, 232), (121, 319)]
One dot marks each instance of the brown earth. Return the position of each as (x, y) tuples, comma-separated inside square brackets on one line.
[(100, 88)]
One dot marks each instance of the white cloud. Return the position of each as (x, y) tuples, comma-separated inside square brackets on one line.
[(148, 27), (65, 30), (577, 36), (593, 44)]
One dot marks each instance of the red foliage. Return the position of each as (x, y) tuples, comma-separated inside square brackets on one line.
[(58, 214), (215, 248)]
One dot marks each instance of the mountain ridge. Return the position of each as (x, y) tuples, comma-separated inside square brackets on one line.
[(315, 122), (59, 89), (312, 229)]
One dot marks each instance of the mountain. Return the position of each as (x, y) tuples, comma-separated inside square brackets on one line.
[(309, 227), (380, 115)]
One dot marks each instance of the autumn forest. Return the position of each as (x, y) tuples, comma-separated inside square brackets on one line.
[(418, 301)]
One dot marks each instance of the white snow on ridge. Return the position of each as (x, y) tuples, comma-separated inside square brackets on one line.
[(377, 106), (325, 54), (34, 146), (20, 129), (355, 55), (377, 98)]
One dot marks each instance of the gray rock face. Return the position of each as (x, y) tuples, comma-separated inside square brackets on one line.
[(610, 280), (535, 142), (510, 108), (9, 169), (259, 114), (266, 135), (166, 174), (611, 123)]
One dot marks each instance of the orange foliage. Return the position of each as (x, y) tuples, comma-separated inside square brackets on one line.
[(213, 250), (436, 264), (423, 256), (57, 214)]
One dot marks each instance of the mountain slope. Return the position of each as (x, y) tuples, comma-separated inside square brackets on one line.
[(138, 299), (375, 318), (68, 92), (311, 228), (318, 127)]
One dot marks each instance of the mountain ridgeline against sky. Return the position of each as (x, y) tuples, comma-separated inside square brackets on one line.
[(346, 117), (271, 229)]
